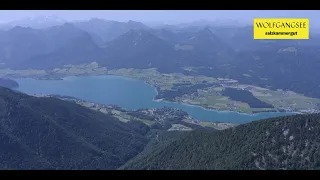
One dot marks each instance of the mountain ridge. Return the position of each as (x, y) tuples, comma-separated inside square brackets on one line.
[(142, 49), (290, 142), (48, 133), (228, 52), (108, 30)]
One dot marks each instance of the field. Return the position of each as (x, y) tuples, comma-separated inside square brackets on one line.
[(208, 97), (211, 97)]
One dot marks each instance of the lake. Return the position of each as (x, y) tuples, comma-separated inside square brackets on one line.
[(127, 93)]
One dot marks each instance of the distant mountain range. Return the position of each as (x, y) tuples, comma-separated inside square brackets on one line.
[(217, 51), (108, 30), (50, 133), (38, 22)]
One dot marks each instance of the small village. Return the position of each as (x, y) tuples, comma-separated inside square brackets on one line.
[(176, 117)]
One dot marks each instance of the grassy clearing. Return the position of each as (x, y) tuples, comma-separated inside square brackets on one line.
[(147, 122)]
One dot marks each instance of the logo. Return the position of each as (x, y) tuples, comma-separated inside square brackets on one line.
[(280, 28)]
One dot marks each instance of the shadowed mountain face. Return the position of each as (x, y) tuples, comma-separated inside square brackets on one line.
[(278, 143), (81, 49), (157, 49), (61, 35), (108, 30), (227, 52), (276, 66), (48, 133), (203, 48), (138, 49), (20, 44), (143, 47), (207, 42), (8, 83)]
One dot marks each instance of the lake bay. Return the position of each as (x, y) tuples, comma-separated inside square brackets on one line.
[(129, 94)]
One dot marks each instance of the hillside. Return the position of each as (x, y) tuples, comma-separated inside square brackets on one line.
[(8, 83), (138, 49), (171, 37), (205, 41), (81, 49), (159, 49), (283, 67), (290, 142), (20, 44), (287, 65), (203, 48), (224, 52), (108, 30), (276, 66), (48, 133)]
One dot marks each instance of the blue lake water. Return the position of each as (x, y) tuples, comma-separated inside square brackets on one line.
[(127, 93)]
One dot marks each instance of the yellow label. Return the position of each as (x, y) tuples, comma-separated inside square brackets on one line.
[(280, 28)]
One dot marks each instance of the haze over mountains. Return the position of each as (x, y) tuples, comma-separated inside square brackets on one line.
[(35, 22), (50, 133), (218, 51)]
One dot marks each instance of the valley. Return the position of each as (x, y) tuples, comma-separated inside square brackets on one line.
[(98, 94), (210, 97), (207, 92), (181, 64), (67, 133)]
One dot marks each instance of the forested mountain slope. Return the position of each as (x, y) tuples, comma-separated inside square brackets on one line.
[(48, 133), (290, 142)]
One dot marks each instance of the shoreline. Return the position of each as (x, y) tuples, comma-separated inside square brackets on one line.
[(118, 108), (208, 109), (65, 77), (224, 111), (192, 105)]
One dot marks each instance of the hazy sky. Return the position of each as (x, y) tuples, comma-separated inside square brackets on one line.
[(165, 16)]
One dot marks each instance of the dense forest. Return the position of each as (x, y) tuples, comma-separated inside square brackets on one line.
[(290, 142), (274, 66), (48, 133), (181, 89), (246, 97), (141, 115)]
